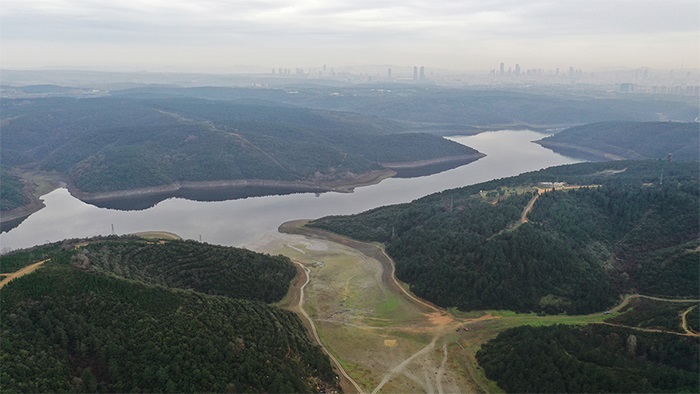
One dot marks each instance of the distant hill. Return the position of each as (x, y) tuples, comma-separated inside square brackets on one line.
[(576, 251), (452, 110), (113, 144), (125, 314), (628, 140)]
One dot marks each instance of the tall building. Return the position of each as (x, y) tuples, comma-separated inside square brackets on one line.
[(502, 70), (517, 69), (415, 73), (388, 73), (422, 73)]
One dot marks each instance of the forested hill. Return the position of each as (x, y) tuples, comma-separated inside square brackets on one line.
[(11, 192), (108, 144), (125, 314), (591, 359), (453, 109), (612, 228), (628, 140)]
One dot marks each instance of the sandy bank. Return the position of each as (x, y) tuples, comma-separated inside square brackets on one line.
[(343, 185)]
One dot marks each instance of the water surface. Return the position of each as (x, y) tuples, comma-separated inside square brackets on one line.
[(244, 221)]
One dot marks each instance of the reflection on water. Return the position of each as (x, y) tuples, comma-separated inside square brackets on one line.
[(209, 194), (243, 221)]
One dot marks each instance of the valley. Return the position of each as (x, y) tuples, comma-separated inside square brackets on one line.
[(108, 148), (382, 336), (352, 297), (372, 197)]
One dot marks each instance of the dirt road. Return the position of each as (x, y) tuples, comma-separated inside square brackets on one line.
[(684, 323), (627, 298), (369, 338), (399, 368), (388, 339), (314, 332), (21, 272)]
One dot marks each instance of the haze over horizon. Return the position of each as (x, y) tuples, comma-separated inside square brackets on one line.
[(221, 36)]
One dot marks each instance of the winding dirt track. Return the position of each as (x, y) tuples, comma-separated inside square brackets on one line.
[(431, 380), (21, 272), (441, 371), (397, 369), (684, 323), (649, 329), (528, 208), (392, 277), (300, 306), (430, 384), (627, 298)]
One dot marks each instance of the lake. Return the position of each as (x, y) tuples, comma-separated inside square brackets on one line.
[(245, 221)]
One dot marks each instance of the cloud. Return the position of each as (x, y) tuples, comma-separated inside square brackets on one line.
[(376, 24)]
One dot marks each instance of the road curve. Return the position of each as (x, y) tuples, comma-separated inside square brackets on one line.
[(315, 333), (392, 276), (684, 323), (627, 298)]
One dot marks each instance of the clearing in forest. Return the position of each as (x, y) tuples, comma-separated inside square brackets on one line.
[(383, 337)]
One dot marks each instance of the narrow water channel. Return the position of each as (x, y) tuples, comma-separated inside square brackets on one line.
[(243, 221)]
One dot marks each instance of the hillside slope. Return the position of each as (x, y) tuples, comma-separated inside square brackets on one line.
[(453, 110), (614, 230), (111, 144), (628, 140), (89, 321), (11, 191), (591, 359)]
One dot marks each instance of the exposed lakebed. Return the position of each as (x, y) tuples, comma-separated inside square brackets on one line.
[(247, 220)]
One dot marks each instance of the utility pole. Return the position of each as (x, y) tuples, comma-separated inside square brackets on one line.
[(112, 228)]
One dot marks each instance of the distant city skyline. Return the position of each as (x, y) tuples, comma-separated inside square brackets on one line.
[(255, 36)]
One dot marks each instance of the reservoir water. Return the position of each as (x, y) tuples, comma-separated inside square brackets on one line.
[(245, 221)]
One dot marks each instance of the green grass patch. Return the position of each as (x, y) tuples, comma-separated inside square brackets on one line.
[(388, 306)]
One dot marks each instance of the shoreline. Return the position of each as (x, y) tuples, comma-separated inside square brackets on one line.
[(299, 227), (339, 185), (418, 164), (579, 151), (348, 184)]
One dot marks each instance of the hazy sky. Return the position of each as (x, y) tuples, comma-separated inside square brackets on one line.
[(216, 35)]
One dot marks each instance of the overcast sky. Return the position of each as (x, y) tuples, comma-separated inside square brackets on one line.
[(218, 35)]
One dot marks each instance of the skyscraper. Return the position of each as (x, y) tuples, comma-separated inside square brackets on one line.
[(503, 70), (415, 73), (422, 73)]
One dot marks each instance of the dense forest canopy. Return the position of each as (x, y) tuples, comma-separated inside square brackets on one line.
[(591, 359), (580, 248), (629, 140), (11, 191), (107, 144), (122, 314), (209, 269)]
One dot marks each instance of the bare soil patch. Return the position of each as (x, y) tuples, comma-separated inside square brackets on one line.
[(19, 273)]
